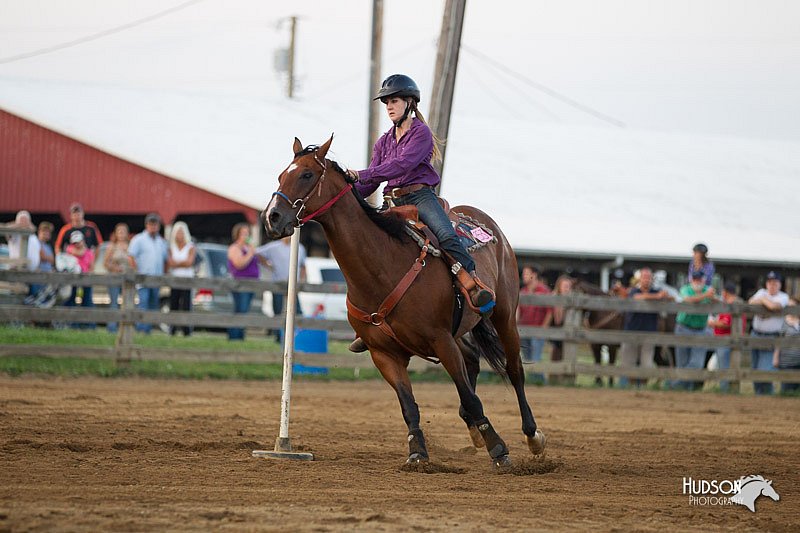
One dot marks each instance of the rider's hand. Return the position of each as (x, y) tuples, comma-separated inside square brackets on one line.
[(352, 173)]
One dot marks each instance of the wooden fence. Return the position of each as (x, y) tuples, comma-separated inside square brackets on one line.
[(573, 333)]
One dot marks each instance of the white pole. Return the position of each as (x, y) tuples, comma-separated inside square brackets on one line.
[(283, 445), (288, 342)]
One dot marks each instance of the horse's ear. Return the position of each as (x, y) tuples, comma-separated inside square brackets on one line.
[(323, 150), (298, 146)]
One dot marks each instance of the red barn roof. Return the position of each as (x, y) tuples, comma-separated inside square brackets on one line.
[(45, 171)]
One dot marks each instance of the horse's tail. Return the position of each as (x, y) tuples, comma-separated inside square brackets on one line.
[(485, 336)]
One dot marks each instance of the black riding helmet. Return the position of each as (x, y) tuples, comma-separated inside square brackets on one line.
[(700, 247), (398, 85)]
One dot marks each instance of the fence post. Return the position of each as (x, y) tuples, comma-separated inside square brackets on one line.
[(573, 319), (736, 352), (124, 348)]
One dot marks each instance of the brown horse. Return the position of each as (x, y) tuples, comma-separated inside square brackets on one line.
[(375, 254)]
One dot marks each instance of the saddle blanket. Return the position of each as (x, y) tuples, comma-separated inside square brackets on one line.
[(472, 234)]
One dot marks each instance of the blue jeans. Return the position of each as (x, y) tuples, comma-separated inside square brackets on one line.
[(148, 301), (724, 362), (689, 356), (532, 352), (113, 293), (762, 360), (86, 301), (531, 349), (432, 214), (241, 305)]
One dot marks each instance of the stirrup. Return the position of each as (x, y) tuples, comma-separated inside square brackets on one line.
[(480, 298), (358, 346)]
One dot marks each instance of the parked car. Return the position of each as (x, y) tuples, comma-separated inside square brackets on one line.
[(317, 304)]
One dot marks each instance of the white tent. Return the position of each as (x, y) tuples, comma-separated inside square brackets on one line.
[(552, 187)]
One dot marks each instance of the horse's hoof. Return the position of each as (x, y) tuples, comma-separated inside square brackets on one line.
[(477, 438), (537, 443), (415, 459), (502, 463)]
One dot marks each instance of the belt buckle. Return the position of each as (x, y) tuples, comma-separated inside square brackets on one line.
[(394, 192)]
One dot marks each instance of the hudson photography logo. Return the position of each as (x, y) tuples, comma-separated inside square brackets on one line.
[(743, 491)]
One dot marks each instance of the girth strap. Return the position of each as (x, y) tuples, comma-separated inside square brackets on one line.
[(378, 318)]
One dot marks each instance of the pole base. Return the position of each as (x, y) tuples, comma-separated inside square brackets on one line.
[(273, 454), (283, 450)]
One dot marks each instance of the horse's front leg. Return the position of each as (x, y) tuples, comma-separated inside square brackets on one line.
[(394, 370)]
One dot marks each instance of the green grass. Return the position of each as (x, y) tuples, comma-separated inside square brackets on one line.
[(200, 340), (76, 367)]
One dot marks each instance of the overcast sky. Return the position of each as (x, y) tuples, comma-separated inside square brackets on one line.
[(701, 66)]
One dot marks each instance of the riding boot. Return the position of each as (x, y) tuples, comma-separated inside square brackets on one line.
[(480, 296), (358, 346)]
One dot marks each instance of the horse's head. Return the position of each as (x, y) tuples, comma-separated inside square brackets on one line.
[(307, 184), (768, 491)]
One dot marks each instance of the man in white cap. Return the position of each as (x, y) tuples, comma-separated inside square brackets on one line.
[(774, 299)]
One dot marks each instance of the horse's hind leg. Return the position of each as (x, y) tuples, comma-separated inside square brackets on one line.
[(506, 327), (597, 352), (395, 372), (472, 362), (448, 353)]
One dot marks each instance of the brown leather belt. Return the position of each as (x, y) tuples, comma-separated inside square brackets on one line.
[(397, 192)]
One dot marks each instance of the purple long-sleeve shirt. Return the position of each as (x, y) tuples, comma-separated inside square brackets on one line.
[(403, 163)]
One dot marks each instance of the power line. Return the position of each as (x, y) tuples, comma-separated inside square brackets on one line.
[(507, 105), (543, 88), (98, 35)]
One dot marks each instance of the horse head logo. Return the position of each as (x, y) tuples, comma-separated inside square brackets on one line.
[(751, 487)]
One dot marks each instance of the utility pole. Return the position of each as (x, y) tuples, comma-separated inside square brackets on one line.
[(374, 75), (444, 77), (290, 85)]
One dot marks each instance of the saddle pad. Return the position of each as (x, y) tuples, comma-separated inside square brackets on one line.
[(473, 234)]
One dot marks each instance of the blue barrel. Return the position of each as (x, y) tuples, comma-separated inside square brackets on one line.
[(311, 341)]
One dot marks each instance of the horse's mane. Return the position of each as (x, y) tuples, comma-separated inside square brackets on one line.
[(392, 225)]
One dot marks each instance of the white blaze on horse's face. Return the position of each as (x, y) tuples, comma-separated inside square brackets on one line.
[(291, 167)]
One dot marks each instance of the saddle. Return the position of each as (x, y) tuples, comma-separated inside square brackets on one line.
[(472, 233)]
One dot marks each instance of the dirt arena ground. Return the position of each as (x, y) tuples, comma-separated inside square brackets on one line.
[(129, 454)]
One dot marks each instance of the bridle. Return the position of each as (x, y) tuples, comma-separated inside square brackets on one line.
[(299, 205)]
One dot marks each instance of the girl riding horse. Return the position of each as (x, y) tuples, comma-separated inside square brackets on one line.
[(402, 157)]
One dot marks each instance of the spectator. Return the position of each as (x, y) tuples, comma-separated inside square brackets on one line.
[(555, 318), (91, 234), (276, 254), (117, 261), (788, 358), (532, 315), (78, 249), (181, 264), (722, 324), (149, 251), (692, 324), (701, 263), (32, 254), (641, 353), (47, 258), (767, 326), (85, 257), (242, 264)]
